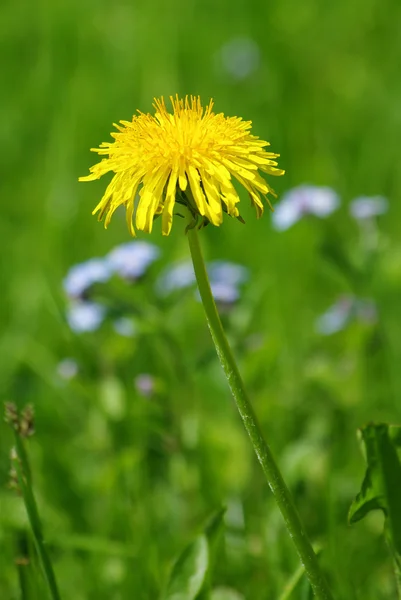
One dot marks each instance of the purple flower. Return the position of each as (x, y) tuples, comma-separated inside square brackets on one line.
[(82, 276), (85, 316), (132, 259), (304, 200), (366, 207)]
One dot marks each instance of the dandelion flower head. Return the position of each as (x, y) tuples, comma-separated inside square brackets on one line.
[(189, 157)]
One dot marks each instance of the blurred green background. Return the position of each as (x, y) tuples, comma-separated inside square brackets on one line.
[(124, 482)]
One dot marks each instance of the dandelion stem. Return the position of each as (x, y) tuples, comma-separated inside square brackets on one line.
[(272, 472), (25, 485)]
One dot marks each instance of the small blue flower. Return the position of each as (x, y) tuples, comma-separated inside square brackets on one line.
[(224, 293), (132, 259), (366, 207), (304, 200), (240, 57), (340, 314), (82, 276), (179, 276), (225, 278), (124, 327), (221, 271), (336, 317), (85, 316)]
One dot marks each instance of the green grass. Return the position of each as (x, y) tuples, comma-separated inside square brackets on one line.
[(123, 484)]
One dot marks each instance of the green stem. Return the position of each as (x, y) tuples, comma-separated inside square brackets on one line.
[(25, 484), (273, 475)]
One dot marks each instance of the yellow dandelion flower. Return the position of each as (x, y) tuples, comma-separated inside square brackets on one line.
[(189, 157)]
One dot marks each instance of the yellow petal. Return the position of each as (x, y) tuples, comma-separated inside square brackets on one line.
[(150, 197), (167, 218)]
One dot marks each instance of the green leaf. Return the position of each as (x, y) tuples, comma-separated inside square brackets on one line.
[(189, 572), (190, 577), (381, 487)]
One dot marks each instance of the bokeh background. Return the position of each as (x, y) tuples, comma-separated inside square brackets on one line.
[(125, 478)]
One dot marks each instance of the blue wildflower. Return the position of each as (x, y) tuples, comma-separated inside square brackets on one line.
[(179, 276), (304, 200), (366, 207), (132, 259), (240, 57), (346, 309), (221, 271), (124, 327), (85, 316), (225, 277), (83, 275), (224, 293)]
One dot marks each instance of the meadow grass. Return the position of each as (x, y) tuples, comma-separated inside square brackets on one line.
[(124, 482)]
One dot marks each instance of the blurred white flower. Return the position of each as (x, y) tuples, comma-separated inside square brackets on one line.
[(145, 384), (239, 57), (82, 276), (177, 277), (132, 259), (85, 316), (366, 207), (304, 200), (67, 368), (124, 327), (340, 314)]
